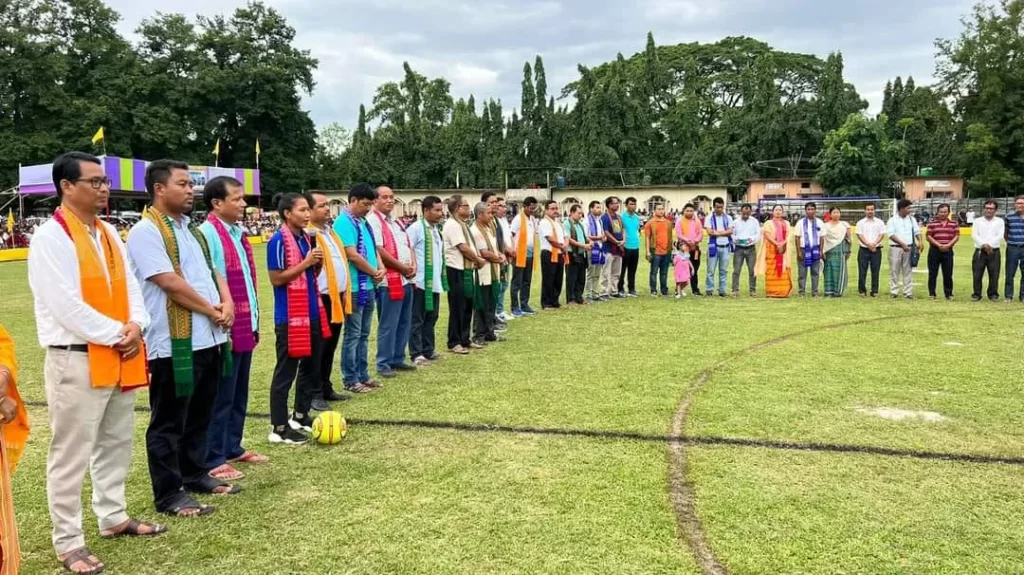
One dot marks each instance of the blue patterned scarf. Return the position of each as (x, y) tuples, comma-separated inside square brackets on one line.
[(713, 241), (597, 255), (364, 282), (812, 252)]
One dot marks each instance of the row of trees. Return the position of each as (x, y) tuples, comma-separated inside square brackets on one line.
[(685, 113)]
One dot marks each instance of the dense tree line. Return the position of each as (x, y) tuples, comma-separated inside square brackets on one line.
[(685, 113)]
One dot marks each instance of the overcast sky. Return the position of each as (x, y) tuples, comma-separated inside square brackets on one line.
[(480, 46)]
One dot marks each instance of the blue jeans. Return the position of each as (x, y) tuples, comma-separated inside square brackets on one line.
[(224, 437), (394, 320), (1014, 261), (659, 269), (502, 290), (719, 263), (355, 345)]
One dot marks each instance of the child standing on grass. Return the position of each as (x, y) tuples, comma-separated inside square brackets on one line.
[(683, 267)]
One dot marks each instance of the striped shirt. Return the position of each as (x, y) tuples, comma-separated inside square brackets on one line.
[(1014, 229), (942, 230)]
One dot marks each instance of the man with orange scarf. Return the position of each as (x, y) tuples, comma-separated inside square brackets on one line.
[(13, 435), (524, 230), (335, 295), (90, 316)]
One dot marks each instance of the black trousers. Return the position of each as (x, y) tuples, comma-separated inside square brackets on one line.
[(326, 388), (421, 335), (550, 280), (284, 374), (460, 309), (866, 259), (629, 264), (522, 281), (991, 263), (575, 279), (937, 260), (176, 439), (695, 259), (483, 317)]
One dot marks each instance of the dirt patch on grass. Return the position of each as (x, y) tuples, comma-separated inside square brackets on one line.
[(896, 414)]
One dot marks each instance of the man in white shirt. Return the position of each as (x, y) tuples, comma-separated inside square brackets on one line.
[(90, 317), (987, 233), (870, 235), (747, 235), (552, 262), (904, 237), (394, 294), (425, 237), (522, 246), (461, 262), (330, 242), (810, 233), (595, 235), (170, 262), (486, 244), (504, 237)]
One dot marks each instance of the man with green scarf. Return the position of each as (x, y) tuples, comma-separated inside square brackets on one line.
[(430, 281), (486, 244)]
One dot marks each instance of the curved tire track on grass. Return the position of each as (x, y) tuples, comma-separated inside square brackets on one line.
[(682, 491)]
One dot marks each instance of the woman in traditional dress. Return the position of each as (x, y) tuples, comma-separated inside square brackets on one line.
[(775, 255), (837, 253), (13, 434)]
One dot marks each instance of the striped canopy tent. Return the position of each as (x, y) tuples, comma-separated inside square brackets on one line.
[(128, 177)]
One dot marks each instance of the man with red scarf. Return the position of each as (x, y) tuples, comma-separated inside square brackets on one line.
[(394, 294)]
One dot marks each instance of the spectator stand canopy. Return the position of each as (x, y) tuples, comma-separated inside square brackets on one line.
[(128, 177)]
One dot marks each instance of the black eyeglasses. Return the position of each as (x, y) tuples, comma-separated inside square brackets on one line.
[(96, 183)]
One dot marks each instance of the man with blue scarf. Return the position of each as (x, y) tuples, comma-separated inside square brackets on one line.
[(810, 231), (719, 227), (595, 235)]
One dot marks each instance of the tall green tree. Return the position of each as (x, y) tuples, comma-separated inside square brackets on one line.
[(858, 159)]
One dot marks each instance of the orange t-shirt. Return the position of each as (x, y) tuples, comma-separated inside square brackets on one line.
[(659, 236)]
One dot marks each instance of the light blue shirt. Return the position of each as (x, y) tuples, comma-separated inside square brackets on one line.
[(631, 226), (746, 232), (149, 258), (906, 229), (350, 237), (237, 235), (419, 247), (720, 223)]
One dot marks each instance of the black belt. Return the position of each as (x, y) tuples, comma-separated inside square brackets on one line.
[(76, 347)]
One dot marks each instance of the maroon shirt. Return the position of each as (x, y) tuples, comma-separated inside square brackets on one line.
[(943, 230)]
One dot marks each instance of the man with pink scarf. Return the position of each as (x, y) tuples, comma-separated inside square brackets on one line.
[(690, 231)]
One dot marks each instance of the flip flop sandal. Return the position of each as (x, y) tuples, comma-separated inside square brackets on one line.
[(81, 555), (359, 388), (132, 530), (188, 504), (208, 486), (250, 457), (226, 473)]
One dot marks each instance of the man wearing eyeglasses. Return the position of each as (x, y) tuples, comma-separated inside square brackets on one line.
[(192, 313), (90, 317)]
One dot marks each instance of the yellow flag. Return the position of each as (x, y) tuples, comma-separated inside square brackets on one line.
[(216, 148), (98, 135), (10, 221), (257, 147)]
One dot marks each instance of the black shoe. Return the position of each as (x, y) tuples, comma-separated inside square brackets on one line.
[(387, 374), (434, 356), (288, 436), (975, 298), (696, 291), (320, 405), (403, 367), (335, 396), (994, 298)]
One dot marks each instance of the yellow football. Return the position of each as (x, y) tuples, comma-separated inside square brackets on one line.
[(329, 428)]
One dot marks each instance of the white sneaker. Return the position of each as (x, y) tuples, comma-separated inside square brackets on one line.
[(679, 296), (508, 317)]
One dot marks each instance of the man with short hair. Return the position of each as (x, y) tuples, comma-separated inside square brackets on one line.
[(904, 237), (943, 234), (578, 250), (987, 233), (1015, 249), (747, 236), (523, 229), (90, 317), (485, 242), (595, 235), (461, 264), (690, 231), (334, 285), (503, 234), (365, 272), (552, 251), (614, 249), (231, 254), (631, 246), (430, 281), (870, 235), (394, 294), (719, 228), (192, 310), (658, 236), (810, 233)]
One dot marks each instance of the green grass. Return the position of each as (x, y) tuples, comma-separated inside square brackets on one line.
[(410, 500)]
